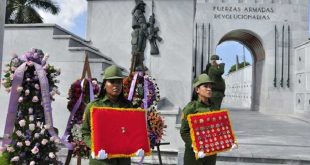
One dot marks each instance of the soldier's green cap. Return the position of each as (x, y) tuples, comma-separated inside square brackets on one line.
[(215, 57), (112, 72), (202, 79)]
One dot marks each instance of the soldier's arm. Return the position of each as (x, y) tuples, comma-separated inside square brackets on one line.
[(86, 130), (217, 70), (185, 130)]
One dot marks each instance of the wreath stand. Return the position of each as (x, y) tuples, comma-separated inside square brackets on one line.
[(86, 71)]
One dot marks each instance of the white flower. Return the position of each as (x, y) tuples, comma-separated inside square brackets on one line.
[(28, 79), (35, 99), (20, 99), (10, 149), (35, 150), (32, 163), (31, 118), (44, 141), (57, 140), (51, 155), (22, 123), (32, 127), (39, 124), (27, 143), (94, 82), (52, 138), (18, 133), (19, 89), (30, 63), (27, 92), (36, 135), (37, 86), (19, 144), (47, 126), (11, 76), (52, 93), (15, 159), (30, 110), (42, 131)]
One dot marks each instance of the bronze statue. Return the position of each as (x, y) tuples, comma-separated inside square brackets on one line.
[(153, 36)]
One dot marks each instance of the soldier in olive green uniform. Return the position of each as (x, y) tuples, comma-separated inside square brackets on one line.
[(215, 70), (111, 95), (203, 90)]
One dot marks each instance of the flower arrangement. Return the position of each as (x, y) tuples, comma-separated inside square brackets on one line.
[(80, 88), (32, 139), (145, 94)]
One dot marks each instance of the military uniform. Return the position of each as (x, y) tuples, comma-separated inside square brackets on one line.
[(195, 106), (110, 73), (86, 131), (215, 73)]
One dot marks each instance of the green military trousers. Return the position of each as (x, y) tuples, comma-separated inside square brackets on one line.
[(189, 158)]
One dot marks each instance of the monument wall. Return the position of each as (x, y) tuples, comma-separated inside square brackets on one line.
[(238, 93), (253, 24), (109, 29)]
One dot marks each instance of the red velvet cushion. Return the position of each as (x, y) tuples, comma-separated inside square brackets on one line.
[(120, 132)]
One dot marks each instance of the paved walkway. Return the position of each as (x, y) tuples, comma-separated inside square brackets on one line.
[(262, 138)]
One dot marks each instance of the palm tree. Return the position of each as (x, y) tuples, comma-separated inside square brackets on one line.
[(24, 11)]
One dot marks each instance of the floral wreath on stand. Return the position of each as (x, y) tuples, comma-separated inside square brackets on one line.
[(143, 91), (79, 95), (30, 137)]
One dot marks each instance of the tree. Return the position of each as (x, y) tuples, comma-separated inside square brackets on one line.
[(24, 11), (240, 65)]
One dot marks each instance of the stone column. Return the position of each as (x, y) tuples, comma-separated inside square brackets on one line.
[(2, 18)]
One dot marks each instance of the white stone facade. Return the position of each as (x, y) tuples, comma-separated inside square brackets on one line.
[(238, 93), (66, 51), (302, 81)]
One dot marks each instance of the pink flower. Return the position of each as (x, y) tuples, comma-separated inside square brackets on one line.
[(18, 133), (19, 89), (19, 144), (35, 99), (31, 118), (27, 143), (36, 135), (30, 110), (35, 150), (22, 123), (27, 92), (15, 159), (20, 99), (10, 149), (44, 141), (52, 138), (29, 63), (37, 86), (51, 155)]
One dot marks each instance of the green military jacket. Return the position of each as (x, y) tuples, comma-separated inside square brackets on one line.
[(86, 131), (193, 107), (215, 73)]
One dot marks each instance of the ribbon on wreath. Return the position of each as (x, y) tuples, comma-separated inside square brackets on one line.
[(132, 86), (13, 103), (76, 106)]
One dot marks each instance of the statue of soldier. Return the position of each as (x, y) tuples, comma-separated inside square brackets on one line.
[(139, 34)]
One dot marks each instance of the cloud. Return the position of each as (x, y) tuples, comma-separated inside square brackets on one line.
[(69, 11)]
